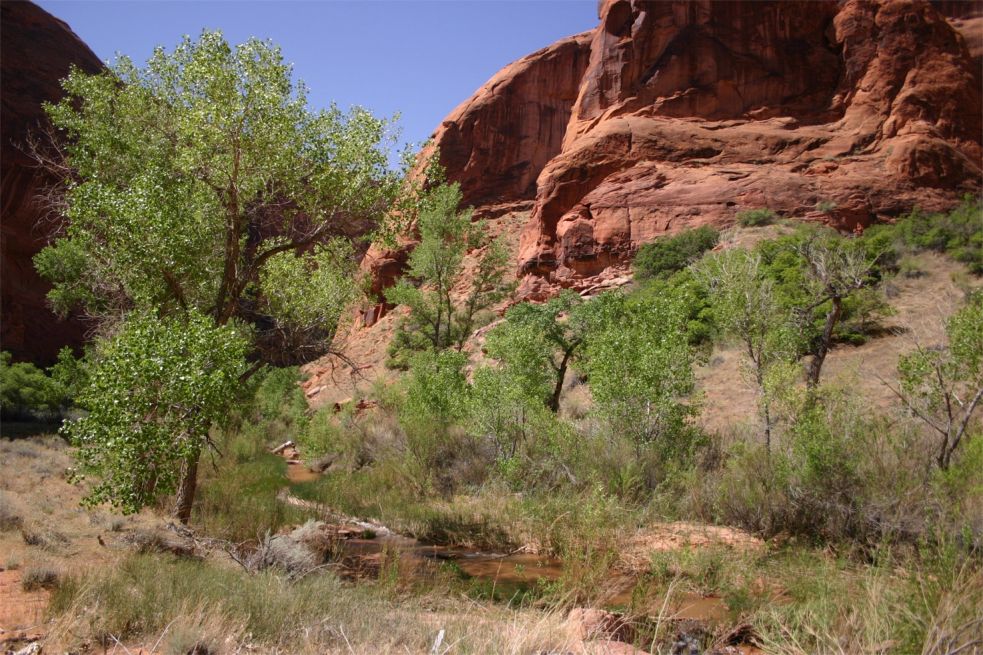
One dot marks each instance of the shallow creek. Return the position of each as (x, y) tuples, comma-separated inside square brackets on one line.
[(365, 548)]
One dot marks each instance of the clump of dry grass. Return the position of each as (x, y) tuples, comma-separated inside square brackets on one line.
[(39, 576), (43, 537), (284, 552), (11, 516)]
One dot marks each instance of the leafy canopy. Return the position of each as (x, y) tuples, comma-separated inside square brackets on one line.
[(538, 342), (193, 175), (154, 391), (440, 318), (640, 368), (667, 255), (209, 215), (26, 391)]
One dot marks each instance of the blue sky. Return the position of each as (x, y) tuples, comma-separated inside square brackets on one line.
[(418, 58)]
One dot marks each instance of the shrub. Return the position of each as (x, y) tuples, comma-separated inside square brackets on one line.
[(639, 367), (756, 217), (10, 515), (667, 255), (693, 297), (238, 501), (39, 577), (436, 400), (956, 233), (26, 392), (280, 403)]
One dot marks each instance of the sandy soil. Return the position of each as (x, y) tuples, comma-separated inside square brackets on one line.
[(54, 531)]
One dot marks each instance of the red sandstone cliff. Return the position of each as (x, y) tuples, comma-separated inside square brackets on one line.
[(692, 111), (37, 51), (685, 112)]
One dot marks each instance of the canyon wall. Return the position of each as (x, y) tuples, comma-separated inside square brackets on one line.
[(37, 51), (677, 113)]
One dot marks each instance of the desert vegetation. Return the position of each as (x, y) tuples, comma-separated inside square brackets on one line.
[(209, 239)]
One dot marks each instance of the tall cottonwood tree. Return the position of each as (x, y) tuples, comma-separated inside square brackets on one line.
[(202, 187), (445, 300), (746, 308), (538, 343)]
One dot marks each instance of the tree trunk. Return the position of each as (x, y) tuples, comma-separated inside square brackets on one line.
[(561, 374), (816, 365), (766, 406), (186, 490)]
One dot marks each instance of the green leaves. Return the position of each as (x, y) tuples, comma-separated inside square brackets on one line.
[(153, 391), (538, 342), (639, 366), (201, 193), (193, 172), (436, 269), (669, 254), (307, 294), (26, 391)]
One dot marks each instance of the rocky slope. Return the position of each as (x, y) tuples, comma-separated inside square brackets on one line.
[(677, 113), (37, 51), (683, 113)]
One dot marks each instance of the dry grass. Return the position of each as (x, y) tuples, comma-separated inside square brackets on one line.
[(39, 576), (155, 600), (46, 529)]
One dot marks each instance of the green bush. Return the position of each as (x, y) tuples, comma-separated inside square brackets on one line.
[(692, 296), (756, 217), (238, 501), (26, 392), (279, 403), (667, 255), (957, 233)]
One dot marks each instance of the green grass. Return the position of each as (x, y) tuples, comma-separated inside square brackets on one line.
[(238, 501)]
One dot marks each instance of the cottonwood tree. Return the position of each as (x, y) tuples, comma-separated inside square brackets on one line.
[(202, 188), (538, 343), (155, 389), (746, 308), (440, 318), (818, 275), (835, 269), (943, 386), (640, 369)]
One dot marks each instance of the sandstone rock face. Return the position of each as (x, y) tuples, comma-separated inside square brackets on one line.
[(496, 143), (683, 113), (966, 17), (690, 112), (37, 51)]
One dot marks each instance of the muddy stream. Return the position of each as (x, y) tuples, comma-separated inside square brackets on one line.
[(366, 548)]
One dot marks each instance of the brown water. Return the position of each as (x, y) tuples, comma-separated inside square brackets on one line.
[(508, 575), (505, 576)]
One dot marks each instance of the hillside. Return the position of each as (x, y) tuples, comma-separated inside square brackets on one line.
[(670, 116)]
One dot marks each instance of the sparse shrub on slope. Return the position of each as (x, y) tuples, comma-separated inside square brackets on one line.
[(669, 254), (958, 233), (756, 217)]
